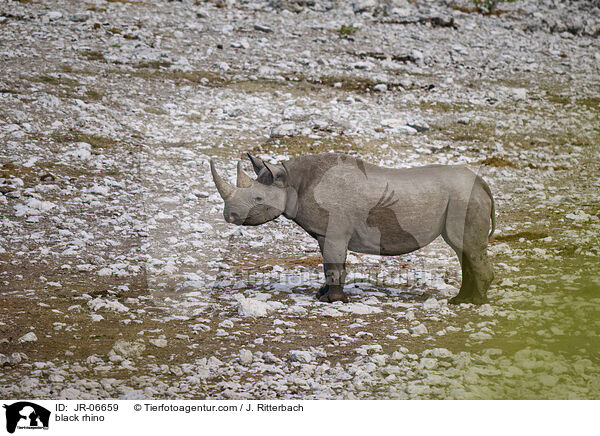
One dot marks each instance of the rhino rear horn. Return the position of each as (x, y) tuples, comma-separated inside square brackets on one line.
[(243, 180), (257, 164), (225, 189), (277, 175)]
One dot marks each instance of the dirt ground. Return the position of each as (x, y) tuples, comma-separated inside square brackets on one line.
[(119, 277)]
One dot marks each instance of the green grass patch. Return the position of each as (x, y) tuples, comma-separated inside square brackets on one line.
[(346, 30)]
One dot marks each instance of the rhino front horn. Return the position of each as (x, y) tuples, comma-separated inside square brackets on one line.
[(225, 189), (243, 180)]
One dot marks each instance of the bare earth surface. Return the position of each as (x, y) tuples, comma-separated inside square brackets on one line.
[(120, 279)]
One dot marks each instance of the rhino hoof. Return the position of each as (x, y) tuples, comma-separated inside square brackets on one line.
[(459, 299), (468, 299), (477, 299), (330, 297)]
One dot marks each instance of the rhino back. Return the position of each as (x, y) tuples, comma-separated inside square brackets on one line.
[(381, 210)]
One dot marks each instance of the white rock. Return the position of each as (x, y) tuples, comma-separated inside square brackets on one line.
[(431, 304), (359, 6), (253, 308), (397, 355), (158, 342), (246, 357), (227, 324), (128, 349), (379, 359), (285, 129), (359, 308), (297, 310), (100, 303), (330, 311), (438, 353), (99, 189), (419, 330), (417, 56), (301, 356), (428, 363), (579, 216), (28, 337), (480, 336), (54, 15)]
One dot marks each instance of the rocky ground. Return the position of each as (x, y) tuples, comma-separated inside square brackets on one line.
[(120, 279)]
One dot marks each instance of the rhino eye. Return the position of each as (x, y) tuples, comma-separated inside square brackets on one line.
[(258, 199)]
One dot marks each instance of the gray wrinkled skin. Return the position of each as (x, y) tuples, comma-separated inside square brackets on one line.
[(347, 204)]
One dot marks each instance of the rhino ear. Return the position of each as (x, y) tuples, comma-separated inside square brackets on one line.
[(257, 164), (275, 175)]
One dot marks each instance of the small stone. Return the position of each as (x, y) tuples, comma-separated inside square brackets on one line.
[(431, 304), (419, 330), (381, 87), (297, 310), (226, 324), (418, 57), (285, 129), (28, 337), (269, 357), (253, 308), (379, 359), (301, 356), (331, 312), (213, 362), (428, 363), (240, 44), (15, 358), (262, 28), (159, 342), (128, 349), (363, 65), (549, 380), (438, 353), (246, 357), (397, 355), (54, 15), (79, 17), (359, 6), (480, 336)]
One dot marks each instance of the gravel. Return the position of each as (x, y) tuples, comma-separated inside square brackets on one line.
[(114, 251)]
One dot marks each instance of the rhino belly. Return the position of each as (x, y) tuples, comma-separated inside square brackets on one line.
[(384, 244), (383, 234)]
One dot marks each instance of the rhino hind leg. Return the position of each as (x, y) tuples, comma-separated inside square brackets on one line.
[(466, 231), (477, 275), (465, 294), (482, 275)]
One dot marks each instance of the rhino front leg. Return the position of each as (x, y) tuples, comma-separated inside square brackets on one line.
[(334, 266)]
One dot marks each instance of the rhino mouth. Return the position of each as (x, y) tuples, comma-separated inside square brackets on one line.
[(260, 215)]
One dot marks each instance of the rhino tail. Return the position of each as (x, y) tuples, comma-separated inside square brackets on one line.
[(493, 216), (488, 191)]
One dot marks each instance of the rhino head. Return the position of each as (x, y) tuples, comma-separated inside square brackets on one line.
[(253, 202)]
